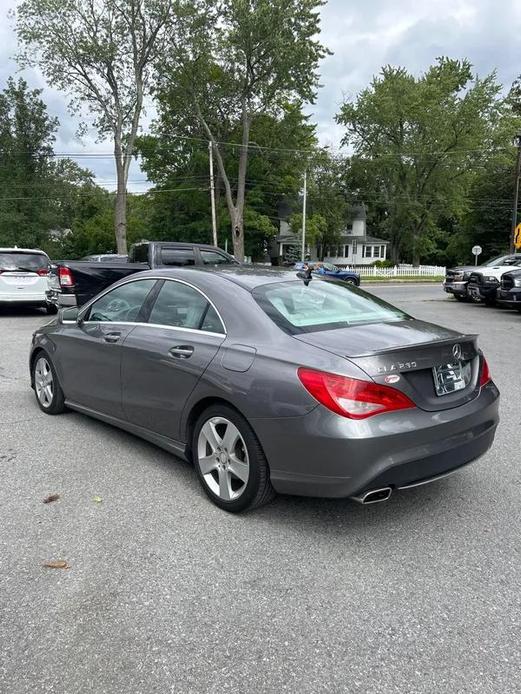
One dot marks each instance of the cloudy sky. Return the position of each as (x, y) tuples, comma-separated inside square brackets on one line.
[(363, 35)]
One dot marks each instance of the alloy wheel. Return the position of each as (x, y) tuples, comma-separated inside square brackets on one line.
[(43, 382), (223, 458)]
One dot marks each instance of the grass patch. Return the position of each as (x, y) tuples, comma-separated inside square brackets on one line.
[(402, 280)]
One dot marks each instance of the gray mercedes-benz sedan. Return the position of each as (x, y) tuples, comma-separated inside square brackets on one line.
[(272, 381)]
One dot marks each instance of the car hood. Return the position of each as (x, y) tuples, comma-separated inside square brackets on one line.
[(462, 268), (496, 272)]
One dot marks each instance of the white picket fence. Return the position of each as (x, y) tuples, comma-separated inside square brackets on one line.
[(402, 271)]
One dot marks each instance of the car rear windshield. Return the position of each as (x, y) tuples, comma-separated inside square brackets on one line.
[(322, 305), (28, 262)]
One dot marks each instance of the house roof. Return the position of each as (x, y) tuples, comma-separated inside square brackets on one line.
[(287, 238), (364, 239)]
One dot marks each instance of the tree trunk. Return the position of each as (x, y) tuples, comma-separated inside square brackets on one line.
[(395, 251), (120, 210), (120, 213), (235, 209), (237, 217)]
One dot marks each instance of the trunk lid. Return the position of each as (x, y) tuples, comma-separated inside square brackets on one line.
[(405, 354)]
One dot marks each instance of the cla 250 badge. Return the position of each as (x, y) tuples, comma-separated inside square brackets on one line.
[(400, 366)]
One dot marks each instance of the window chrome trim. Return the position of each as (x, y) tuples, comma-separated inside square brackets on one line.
[(156, 325), (87, 307)]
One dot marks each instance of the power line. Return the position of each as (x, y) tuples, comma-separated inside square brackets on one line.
[(63, 197)]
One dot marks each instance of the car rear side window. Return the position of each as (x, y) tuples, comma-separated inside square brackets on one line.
[(122, 304), (177, 256), (181, 306), (322, 305)]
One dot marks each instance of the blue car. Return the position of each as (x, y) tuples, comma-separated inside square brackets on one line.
[(330, 270)]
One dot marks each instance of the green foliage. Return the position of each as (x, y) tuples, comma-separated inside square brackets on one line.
[(418, 143), (101, 54), (180, 202), (47, 203), (245, 61), (383, 263)]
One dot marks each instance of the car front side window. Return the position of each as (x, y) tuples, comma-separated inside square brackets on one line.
[(122, 304)]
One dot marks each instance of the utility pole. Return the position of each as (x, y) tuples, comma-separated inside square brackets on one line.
[(212, 195), (517, 143), (304, 214)]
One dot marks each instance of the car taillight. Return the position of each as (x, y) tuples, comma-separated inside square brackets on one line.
[(350, 397), (65, 277), (43, 272), (485, 373)]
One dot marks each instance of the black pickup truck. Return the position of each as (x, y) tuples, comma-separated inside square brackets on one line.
[(74, 282)]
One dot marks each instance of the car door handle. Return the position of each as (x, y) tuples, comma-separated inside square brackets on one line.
[(112, 337), (181, 351)]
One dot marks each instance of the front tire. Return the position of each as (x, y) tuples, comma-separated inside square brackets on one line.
[(352, 282), (229, 460), (47, 389)]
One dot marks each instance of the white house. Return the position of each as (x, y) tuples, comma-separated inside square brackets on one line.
[(355, 246)]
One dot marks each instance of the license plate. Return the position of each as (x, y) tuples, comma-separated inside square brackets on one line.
[(450, 378)]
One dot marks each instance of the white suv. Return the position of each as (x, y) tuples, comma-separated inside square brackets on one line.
[(23, 277)]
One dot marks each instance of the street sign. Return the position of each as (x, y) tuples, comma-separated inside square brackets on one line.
[(476, 250), (517, 236)]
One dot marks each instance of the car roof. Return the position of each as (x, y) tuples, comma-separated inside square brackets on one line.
[(182, 244), (23, 250), (247, 277)]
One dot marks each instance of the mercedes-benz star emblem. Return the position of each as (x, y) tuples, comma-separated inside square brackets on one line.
[(456, 351)]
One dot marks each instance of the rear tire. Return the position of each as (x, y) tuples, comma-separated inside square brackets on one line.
[(352, 282), (51, 309), (229, 460), (49, 395)]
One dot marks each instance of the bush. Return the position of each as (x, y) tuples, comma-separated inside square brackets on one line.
[(383, 263)]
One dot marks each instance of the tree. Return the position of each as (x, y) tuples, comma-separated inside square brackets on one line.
[(255, 57), (417, 145), (180, 202), (101, 52), (26, 171)]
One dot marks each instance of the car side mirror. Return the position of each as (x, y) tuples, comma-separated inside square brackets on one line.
[(69, 315)]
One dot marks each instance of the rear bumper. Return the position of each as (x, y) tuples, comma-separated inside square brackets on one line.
[(37, 299), (60, 299), (324, 455), (455, 288)]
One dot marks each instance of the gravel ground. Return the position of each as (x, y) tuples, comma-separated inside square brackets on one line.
[(166, 593)]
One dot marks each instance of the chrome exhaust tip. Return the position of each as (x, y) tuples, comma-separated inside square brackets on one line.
[(374, 496)]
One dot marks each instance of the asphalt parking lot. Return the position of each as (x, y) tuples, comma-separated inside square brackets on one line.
[(166, 593)]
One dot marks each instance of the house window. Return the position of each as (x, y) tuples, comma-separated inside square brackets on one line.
[(382, 251), (376, 251), (346, 251), (355, 247), (367, 252)]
